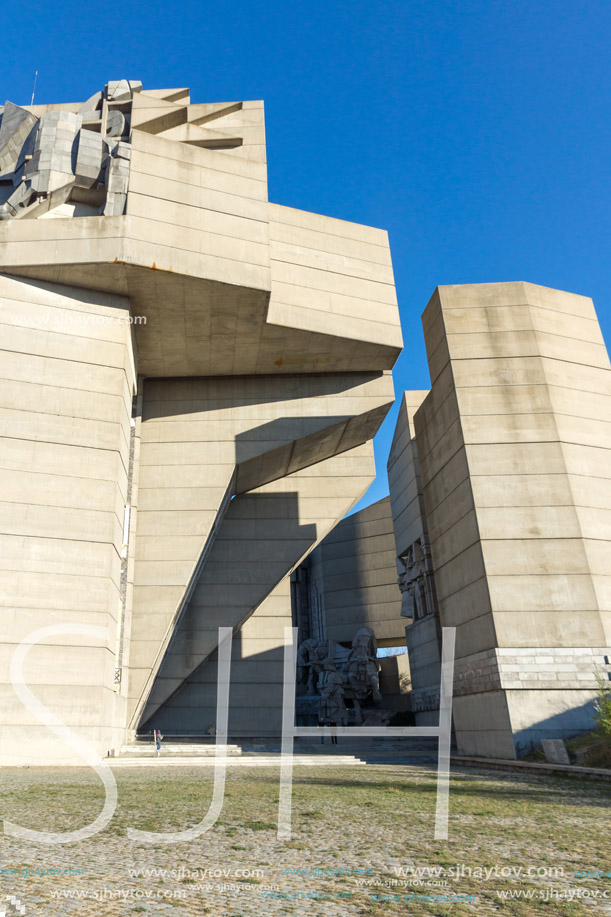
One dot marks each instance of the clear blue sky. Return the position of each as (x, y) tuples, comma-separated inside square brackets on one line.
[(477, 132)]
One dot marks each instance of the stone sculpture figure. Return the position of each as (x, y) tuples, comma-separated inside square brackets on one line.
[(306, 677), (81, 157), (355, 679), (332, 705), (322, 652), (415, 582), (362, 667)]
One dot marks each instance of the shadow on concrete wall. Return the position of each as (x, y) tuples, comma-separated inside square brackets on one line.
[(258, 542), (567, 723)]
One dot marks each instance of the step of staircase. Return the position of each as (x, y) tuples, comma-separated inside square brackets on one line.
[(267, 753), (252, 760), (364, 747)]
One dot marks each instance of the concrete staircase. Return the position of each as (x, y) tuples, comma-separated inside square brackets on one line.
[(197, 751)]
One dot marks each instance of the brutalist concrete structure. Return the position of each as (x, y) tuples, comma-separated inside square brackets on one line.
[(349, 582), (500, 481), (192, 378), (414, 564)]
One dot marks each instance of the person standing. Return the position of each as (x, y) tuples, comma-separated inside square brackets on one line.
[(158, 740)]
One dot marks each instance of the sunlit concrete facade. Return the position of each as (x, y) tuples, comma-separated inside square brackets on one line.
[(192, 379), (504, 470)]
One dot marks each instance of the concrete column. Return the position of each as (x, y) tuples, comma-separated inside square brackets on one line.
[(66, 399), (514, 442)]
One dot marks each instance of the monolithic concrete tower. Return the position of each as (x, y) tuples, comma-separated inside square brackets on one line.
[(501, 486)]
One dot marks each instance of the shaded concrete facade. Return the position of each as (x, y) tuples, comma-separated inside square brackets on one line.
[(349, 582), (419, 609), (192, 379), (506, 468)]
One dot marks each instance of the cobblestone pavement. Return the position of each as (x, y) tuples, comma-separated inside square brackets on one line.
[(359, 833)]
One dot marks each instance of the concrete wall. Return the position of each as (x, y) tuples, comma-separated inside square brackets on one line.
[(354, 573), (265, 339), (203, 212), (405, 485), (514, 444), (257, 666), (422, 634), (331, 276), (262, 536), (204, 440), (66, 398)]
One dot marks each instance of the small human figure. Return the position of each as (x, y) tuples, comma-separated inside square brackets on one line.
[(333, 725), (158, 740)]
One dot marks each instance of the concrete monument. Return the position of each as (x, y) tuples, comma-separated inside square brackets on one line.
[(500, 481), (192, 379), (345, 596)]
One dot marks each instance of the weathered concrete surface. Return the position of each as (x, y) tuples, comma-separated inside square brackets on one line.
[(514, 442), (266, 336), (420, 611), (65, 409), (354, 573)]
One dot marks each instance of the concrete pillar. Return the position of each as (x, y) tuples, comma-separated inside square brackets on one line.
[(514, 442)]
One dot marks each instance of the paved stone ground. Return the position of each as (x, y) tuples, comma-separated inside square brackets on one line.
[(351, 826)]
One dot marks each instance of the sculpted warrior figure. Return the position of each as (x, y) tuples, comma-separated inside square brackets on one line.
[(363, 667), (412, 582), (323, 652), (305, 673), (62, 157), (332, 706)]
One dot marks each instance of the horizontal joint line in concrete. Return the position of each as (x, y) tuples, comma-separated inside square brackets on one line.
[(538, 442), (547, 412), (335, 220), (184, 184), (288, 259), (479, 579), (52, 442), (202, 166), (534, 474), (77, 417), (183, 251), (546, 538), (6, 269), (66, 305), (537, 356), (443, 468), (324, 251), (99, 645), (61, 538), (197, 207), (320, 270), (494, 305), (44, 356), (67, 388), (532, 329), (549, 385)]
